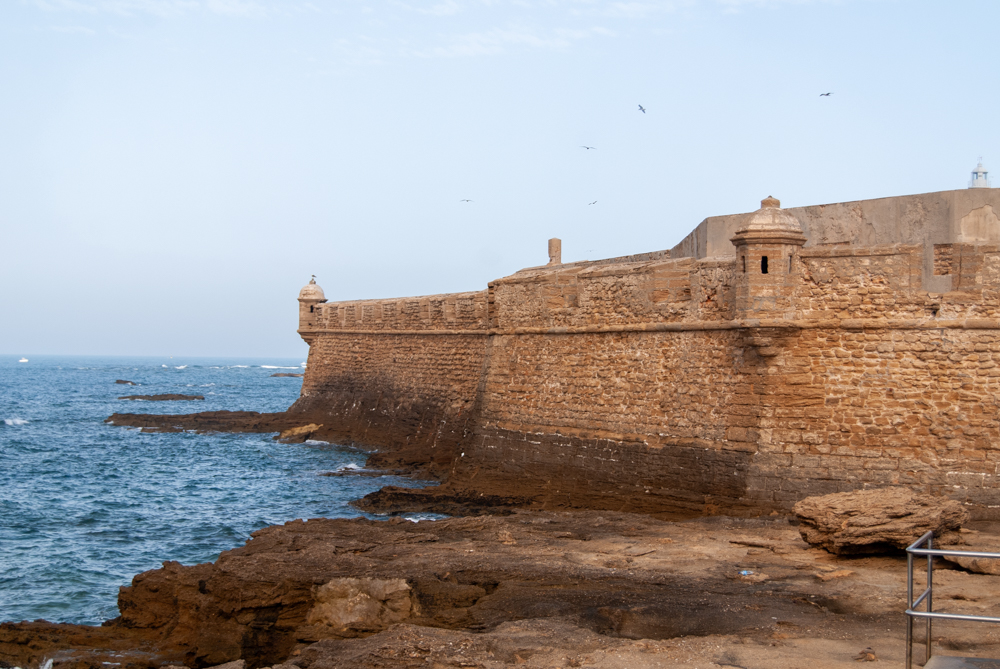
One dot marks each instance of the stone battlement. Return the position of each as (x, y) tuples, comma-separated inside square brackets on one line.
[(827, 349)]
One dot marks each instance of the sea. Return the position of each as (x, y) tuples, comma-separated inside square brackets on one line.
[(85, 506)]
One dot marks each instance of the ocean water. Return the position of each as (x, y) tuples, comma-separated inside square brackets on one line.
[(84, 506)]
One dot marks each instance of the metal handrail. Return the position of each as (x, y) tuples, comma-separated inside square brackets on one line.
[(927, 595)]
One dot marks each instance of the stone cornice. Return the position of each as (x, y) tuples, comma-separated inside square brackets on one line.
[(704, 326)]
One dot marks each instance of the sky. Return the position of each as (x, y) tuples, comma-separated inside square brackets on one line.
[(173, 171)]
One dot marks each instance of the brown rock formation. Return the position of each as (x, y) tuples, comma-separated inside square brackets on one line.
[(602, 577), (297, 435), (207, 421), (168, 397), (598, 589), (873, 521)]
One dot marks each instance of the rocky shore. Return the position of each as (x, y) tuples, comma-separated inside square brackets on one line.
[(518, 578), (539, 588)]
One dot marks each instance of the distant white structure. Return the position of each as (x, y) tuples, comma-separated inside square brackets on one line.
[(979, 177)]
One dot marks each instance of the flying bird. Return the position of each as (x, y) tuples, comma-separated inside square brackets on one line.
[(594, 202), (465, 200), (587, 147), (826, 95), (642, 109)]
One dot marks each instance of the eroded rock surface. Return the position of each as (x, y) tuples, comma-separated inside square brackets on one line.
[(559, 587), (297, 435), (873, 521)]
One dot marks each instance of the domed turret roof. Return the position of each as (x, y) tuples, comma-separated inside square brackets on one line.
[(979, 168), (771, 217), (312, 291)]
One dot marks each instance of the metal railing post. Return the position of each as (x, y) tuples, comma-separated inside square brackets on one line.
[(909, 605), (930, 596)]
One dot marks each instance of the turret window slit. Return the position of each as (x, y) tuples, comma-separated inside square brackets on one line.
[(763, 264)]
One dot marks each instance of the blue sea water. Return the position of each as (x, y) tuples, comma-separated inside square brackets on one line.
[(84, 506)]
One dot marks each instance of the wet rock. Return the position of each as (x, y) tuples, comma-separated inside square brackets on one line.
[(286, 375), (297, 435), (126, 383), (875, 521), (168, 397)]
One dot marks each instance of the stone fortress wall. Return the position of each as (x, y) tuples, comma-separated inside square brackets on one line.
[(867, 355)]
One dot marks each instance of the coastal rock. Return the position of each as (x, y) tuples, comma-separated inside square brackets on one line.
[(360, 603), (297, 435), (126, 383), (975, 542), (168, 397), (208, 421), (286, 375), (587, 588), (874, 521)]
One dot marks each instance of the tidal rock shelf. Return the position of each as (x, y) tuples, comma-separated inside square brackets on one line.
[(564, 589), (167, 397)]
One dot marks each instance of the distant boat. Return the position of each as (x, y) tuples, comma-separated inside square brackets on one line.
[(23, 360)]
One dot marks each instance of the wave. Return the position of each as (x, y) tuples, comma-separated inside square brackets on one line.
[(240, 366), (417, 517), (14, 421), (181, 367), (303, 364), (276, 367), (162, 365), (317, 442)]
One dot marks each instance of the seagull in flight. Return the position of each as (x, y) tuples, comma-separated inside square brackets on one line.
[(642, 109), (465, 200), (594, 202), (587, 147), (826, 95)]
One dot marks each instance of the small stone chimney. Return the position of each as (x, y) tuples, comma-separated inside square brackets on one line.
[(767, 246), (555, 251)]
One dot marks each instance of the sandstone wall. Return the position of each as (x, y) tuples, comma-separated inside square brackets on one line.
[(399, 375), (633, 386), (660, 385)]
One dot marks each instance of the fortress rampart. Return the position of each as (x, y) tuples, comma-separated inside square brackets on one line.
[(825, 349)]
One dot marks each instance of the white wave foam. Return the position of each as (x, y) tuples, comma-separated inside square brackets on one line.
[(350, 467), (276, 367), (317, 442), (206, 385), (14, 421), (162, 365), (240, 366), (303, 364), (181, 367)]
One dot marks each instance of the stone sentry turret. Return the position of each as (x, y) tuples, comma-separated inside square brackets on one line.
[(310, 297), (767, 246)]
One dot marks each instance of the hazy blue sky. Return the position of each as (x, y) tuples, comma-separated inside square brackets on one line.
[(172, 171)]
